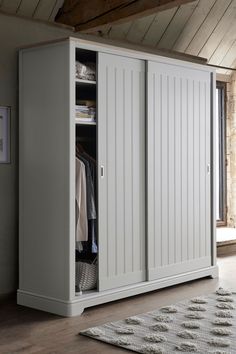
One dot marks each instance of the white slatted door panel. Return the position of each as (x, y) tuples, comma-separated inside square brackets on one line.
[(178, 144), (121, 150)]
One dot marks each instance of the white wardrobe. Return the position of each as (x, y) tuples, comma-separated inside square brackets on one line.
[(153, 142)]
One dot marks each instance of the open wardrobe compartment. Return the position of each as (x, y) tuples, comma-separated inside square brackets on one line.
[(116, 174)]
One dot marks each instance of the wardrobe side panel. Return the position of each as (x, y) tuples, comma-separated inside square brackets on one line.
[(179, 183), (45, 171), (121, 150)]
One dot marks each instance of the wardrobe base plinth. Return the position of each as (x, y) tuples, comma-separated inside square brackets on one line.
[(79, 303), (215, 272), (55, 306)]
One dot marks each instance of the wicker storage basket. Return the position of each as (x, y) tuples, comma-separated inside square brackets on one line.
[(86, 275)]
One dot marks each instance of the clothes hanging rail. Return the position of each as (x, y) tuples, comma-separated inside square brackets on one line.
[(84, 139)]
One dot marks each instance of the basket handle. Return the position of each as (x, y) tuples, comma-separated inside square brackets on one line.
[(95, 260)]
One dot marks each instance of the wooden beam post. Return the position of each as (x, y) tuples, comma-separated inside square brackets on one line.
[(93, 15)]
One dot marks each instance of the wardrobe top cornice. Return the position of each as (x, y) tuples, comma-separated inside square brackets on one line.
[(131, 50)]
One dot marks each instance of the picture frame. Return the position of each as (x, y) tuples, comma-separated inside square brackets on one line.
[(5, 143)]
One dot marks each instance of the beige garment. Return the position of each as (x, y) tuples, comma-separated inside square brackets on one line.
[(81, 202)]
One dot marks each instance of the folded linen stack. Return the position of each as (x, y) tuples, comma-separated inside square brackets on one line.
[(85, 71), (85, 112)]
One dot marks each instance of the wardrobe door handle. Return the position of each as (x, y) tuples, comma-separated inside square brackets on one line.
[(208, 168), (102, 171)]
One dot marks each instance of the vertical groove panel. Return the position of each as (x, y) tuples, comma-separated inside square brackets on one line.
[(164, 170), (111, 173), (150, 164), (161, 162), (178, 186), (154, 171), (171, 169), (123, 175), (120, 127), (190, 170), (178, 164), (196, 170), (184, 169), (106, 243), (208, 161), (142, 173), (168, 168), (128, 174), (115, 171), (120, 150), (157, 168), (202, 169), (102, 187), (136, 173), (132, 167)]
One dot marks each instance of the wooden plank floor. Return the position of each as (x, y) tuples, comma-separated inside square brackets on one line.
[(29, 331)]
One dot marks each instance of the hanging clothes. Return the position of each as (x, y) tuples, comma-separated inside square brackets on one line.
[(91, 201), (81, 202), (93, 235), (91, 206)]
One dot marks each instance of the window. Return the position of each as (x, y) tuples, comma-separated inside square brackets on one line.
[(220, 155)]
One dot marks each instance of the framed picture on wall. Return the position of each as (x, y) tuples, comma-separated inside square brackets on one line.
[(4, 134)]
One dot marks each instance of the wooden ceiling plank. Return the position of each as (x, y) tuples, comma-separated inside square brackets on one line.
[(27, 8), (230, 56), (234, 64), (158, 27), (105, 31), (86, 18), (139, 28), (176, 25), (221, 71), (207, 27), (224, 46), (120, 31), (221, 29), (19, 6), (193, 24), (44, 9), (10, 6), (57, 6)]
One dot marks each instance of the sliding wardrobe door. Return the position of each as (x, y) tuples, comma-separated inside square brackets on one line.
[(121, 182), (179, 180)]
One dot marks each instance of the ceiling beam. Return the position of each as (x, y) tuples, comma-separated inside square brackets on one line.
[(93, 15)]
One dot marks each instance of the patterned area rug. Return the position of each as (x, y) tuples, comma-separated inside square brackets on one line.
[(204, 324)]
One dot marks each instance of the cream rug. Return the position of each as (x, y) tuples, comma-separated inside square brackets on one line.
[(204, 324)]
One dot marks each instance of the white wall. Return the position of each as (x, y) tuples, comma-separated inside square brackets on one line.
[(14, 33)]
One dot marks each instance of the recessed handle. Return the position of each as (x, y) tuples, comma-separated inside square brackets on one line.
[(102, 171), (208, 168)]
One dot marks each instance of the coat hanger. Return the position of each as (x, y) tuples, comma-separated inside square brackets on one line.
[(79, 148), (80, 151), (89, 157)]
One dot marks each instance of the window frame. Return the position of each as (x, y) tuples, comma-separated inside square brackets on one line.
[(223, 151)]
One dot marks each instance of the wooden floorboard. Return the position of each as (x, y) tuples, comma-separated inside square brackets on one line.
[(24, 330)]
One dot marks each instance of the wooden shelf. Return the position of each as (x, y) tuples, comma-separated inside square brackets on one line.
[(85, 82)]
